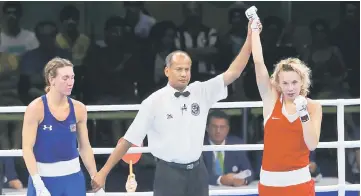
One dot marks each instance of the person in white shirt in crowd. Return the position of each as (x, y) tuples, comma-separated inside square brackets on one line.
[(14, 42), (174, 119), (140, 22), (15, 39), (199, 41)]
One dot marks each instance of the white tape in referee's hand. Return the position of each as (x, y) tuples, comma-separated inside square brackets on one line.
[(131, 184)]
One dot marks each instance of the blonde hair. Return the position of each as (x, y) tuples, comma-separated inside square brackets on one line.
[(51, 68), (296, 65)]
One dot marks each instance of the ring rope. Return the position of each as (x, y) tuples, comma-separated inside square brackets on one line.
[(236, 147), (340, 144)]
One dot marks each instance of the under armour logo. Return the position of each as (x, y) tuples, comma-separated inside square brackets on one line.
[(169, 116), (50, 127)]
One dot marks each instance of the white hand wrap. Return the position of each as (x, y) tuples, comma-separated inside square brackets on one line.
[(301, 107), (251, 13), (39, 186), (254, 25)]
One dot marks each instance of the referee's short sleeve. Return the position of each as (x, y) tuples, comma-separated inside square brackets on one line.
[(141, 124), (214, 90)]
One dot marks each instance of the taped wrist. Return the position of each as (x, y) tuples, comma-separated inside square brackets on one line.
[(37, 181), (304, 115)]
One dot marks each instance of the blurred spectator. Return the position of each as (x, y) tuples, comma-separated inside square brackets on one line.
[(275, 47), (275, 39), (10, 131), (229, 47), (223, 166), (70, 38), (347, 37), (161, 38), (329, 73), (77, 43), (353, 157), (32, 83), (140, 22), (14, 39), (237, 34), (327, 157), (14, 42), (11, 179), (199, 41), (314, 168), (326, 62), (114, 74)]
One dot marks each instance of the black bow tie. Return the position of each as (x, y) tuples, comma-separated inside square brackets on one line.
[(185, 94)]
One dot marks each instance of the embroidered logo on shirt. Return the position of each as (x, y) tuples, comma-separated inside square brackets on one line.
[(50, 127), (73, 127), (195, 109), (169, 116)]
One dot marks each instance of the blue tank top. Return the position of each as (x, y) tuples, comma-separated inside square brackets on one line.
[(56, 140)]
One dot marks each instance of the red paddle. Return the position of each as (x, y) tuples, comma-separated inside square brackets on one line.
[(131, 159)]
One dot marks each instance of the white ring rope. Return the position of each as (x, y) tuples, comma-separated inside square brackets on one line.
[(246, 104), (351, 187), (340, 144), (237, 147)]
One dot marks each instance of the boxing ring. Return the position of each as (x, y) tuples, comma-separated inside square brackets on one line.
[(340, 144)]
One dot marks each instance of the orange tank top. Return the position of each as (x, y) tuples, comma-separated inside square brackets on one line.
[(284, 145)]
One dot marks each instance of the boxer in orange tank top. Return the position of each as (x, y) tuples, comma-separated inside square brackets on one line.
[(292, 123)]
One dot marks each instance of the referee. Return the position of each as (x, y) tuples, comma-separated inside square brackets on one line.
[(174, 119)]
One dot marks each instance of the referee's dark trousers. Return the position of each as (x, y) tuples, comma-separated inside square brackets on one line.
[(173, 179)]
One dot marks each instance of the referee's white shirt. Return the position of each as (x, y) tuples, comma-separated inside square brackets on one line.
[(176, 126)]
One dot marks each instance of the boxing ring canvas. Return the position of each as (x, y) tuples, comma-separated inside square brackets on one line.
[(340, 189)]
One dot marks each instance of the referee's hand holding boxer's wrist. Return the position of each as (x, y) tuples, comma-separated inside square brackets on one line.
[(98, 181)]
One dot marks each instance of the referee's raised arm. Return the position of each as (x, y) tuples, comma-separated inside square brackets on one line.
[(240, 62), (215, 89)]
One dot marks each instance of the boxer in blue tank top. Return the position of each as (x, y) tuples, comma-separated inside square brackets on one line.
[(53, 130)]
